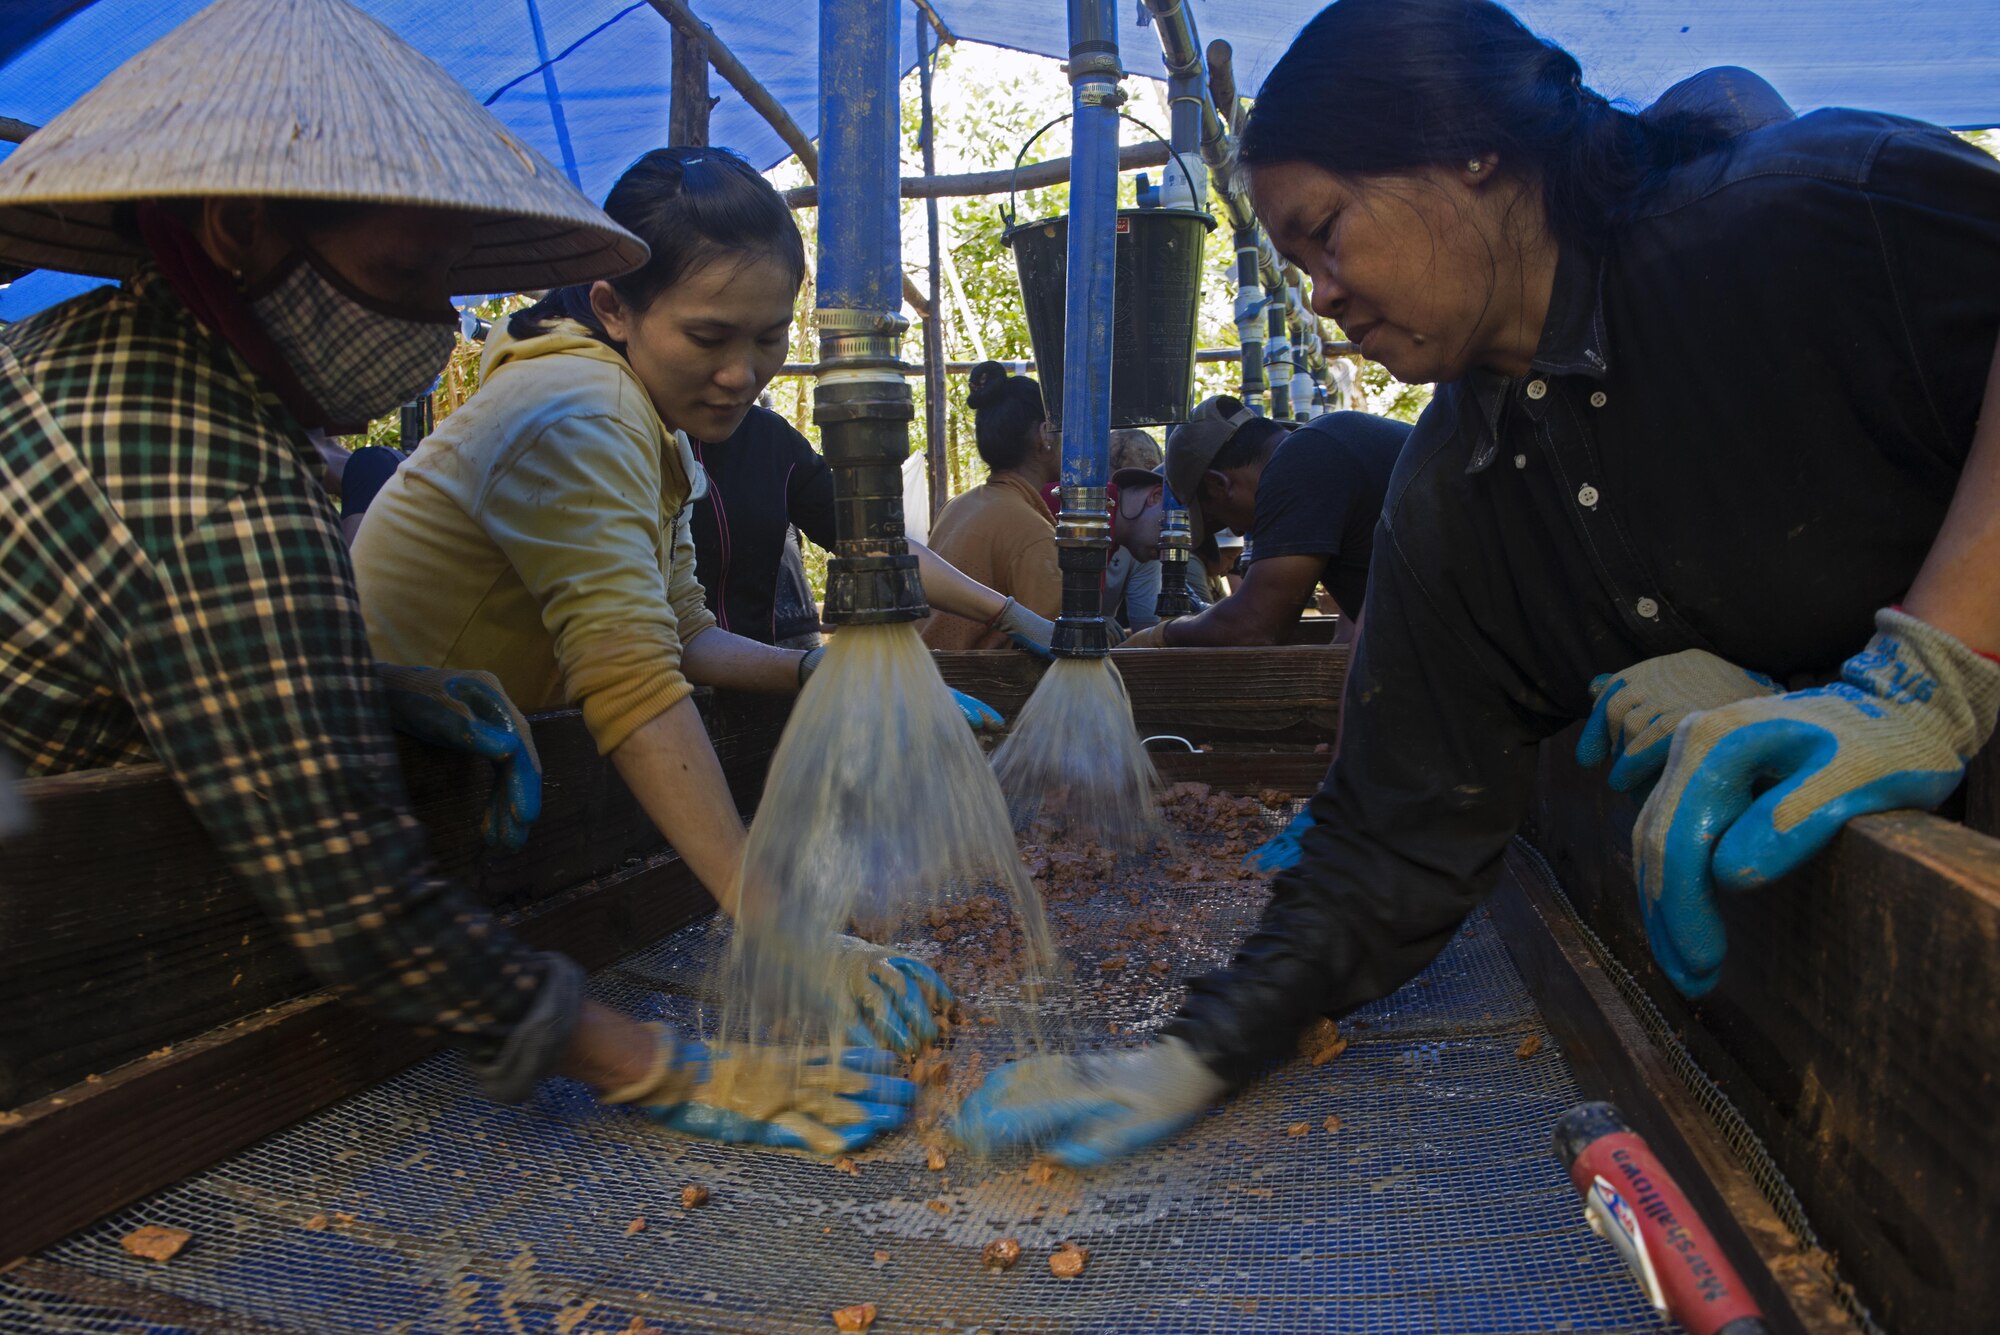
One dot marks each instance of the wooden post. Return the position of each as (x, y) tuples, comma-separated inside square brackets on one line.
[(687, 112)]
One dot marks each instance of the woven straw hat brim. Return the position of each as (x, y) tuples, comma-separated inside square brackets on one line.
[(297, 99)]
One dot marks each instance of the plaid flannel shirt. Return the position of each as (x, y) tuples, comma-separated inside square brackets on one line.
[(173, 586)]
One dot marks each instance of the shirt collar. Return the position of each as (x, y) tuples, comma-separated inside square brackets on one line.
[(1572, 343)]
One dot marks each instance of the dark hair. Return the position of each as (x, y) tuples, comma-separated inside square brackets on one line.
[(690, 206), (1007, 409), (1254, 440), (1377, 86)]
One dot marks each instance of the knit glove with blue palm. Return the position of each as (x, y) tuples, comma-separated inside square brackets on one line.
[(1754, 789), (1028, 629), (747, 1094), (469, 711), (1281, 851), (899, 996), (1638, 709), (1085, 1109)]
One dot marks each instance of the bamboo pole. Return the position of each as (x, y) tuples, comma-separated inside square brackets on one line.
[(1054, 171)]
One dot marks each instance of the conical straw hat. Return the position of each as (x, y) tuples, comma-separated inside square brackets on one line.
[(302, 99)]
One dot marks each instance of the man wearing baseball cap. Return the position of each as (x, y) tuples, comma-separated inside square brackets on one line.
[(1307, 499), (291, 194)]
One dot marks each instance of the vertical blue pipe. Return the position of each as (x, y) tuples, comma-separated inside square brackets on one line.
[(860, 238), (1093, 242)]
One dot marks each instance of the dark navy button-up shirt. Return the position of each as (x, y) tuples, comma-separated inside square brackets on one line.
[(1741, 430)]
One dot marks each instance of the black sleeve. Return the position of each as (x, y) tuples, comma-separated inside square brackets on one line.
[(1303, 498), (809, 490), (1431, 781)]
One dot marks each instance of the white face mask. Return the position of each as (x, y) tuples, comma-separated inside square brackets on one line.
[(355, 359)]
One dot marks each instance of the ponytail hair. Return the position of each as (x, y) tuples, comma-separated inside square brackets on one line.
[(1007, 410), (1380, 86), (690, 206)]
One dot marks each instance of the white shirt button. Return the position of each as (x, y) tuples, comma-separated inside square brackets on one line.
[(1647, 608), (1537, 388), (1586, 496), (1520, 461), (1598, 400)]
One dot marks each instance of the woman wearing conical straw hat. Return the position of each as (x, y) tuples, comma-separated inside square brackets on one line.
[(290, 194)]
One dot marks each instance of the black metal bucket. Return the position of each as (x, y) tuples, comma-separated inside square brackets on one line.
[(1157, 298)]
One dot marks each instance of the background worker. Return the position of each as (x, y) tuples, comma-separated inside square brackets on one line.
[(174, 586), (1570, 533), (541, 533), (1001, 533), (1307, 499), (763, 481)]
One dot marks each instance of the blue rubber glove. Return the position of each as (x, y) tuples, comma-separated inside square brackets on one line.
[(468, 711), (1281, 851), (749, 1094), (897, 995), (1028, 630), (1638, 709), (1754, 789), (982, 716), (1084, 1110)]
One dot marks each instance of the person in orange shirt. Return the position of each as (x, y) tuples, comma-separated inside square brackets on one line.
[(1001, 532)]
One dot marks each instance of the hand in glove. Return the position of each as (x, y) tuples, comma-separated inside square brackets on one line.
[(1083, 1110), (1151, 637), (468, 711), (748, 1094), (1028, 630), (1754, 789), (1638, 709), (897, 995), (981, 716), (1281, 851)]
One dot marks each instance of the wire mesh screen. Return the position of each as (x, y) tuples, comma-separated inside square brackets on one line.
[(1407, 1185)]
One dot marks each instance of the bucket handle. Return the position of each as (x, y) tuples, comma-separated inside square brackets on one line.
[(1007, 213)]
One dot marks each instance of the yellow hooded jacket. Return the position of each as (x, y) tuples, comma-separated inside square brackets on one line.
[(541, 534)]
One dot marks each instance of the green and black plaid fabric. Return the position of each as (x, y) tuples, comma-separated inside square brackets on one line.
[(173, 587)]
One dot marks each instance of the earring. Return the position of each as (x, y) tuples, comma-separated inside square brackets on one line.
[(1475, 166)]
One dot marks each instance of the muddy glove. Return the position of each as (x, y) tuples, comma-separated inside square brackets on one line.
[(1086, 1109), (1638, 709), (1281, 851), (896, 994), (981, 716), (1152, 637), (1028, 630), (748, 1094), (468, 711), (1754, 789)]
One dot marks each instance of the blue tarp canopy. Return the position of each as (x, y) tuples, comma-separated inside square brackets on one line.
[(585, 81)]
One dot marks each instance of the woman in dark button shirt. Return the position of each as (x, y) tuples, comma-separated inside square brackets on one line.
[(1710, 391)]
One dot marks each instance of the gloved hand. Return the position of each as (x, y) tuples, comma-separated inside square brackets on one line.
[(748, 1094), (1281, 851), (1152, 637), (1028, 630), (1083, 1110), (1638, 709), (1754, 789), (981, 716), (896, 994), (468, 711)]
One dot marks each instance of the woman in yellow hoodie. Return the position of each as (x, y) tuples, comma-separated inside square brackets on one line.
[(541, 533)]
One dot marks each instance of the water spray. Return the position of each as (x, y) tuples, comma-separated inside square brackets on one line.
[(1074, 761), (879, 800)]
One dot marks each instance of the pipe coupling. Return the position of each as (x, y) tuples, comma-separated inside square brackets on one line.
[(1085, 518), (857, 340)]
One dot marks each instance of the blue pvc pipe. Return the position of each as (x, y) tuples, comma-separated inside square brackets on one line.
[(1093, 253), (860, 234)]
